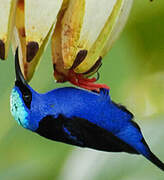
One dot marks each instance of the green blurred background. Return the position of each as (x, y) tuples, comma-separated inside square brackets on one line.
[(134, 69)]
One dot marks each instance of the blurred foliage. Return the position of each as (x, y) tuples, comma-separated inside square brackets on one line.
[(134, 69)]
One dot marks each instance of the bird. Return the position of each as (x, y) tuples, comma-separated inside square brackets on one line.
[(78, 117)]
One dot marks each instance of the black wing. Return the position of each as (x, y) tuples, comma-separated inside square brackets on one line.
[(81, 132)]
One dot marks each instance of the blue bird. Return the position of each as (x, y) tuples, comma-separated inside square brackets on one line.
[(78, 117)]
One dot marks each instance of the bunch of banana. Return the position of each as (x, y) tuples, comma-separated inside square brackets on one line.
[(81, 33)]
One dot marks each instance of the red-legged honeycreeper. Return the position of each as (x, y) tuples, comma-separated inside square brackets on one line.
[(78, 117)]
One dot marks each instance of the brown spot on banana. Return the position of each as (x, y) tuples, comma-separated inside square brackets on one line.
[(79, 58), (95, 67), (22, 32), (2, 50), (32, 49), (21, 4)]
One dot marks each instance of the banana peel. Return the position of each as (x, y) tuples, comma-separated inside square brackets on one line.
[(7, 14), (82, 32), (86, 31), (35, 22)]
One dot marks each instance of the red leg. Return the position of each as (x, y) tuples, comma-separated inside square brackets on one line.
[(81, 78), (80, 81), (86, 83)]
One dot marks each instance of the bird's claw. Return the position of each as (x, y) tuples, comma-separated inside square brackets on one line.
[(86, 83)]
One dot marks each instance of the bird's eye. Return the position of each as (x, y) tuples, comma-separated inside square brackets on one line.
[(27, 98)]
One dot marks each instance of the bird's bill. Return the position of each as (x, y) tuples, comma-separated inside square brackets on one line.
[(7, 14), (18, 72)]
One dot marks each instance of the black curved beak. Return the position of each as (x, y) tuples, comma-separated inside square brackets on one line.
[(19, 75)]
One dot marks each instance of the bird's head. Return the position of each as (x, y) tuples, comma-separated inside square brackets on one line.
[(22, 100)]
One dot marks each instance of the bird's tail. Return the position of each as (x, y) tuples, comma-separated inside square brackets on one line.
[(152, 157), (145, 151), (155, 160)]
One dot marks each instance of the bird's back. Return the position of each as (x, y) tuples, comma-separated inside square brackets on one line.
[(97, 108)]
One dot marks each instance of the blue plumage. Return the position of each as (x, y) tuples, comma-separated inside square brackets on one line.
[(78, 117)]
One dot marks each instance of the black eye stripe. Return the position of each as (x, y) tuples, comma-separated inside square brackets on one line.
[(26, 93), (27, 98)]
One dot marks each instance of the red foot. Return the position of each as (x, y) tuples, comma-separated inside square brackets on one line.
[(86, 83)]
